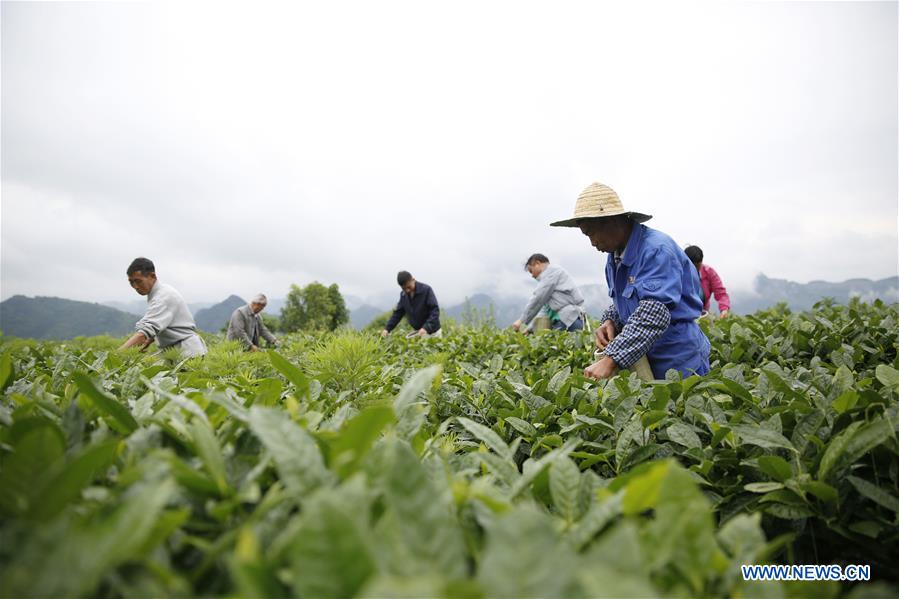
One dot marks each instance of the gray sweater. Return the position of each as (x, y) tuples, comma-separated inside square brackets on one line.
[(246, 327), (555, 289), (168, 319)]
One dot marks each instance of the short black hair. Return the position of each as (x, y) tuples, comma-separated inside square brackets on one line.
[(694, 254), (403, 277), (534, 258), (142, 265)]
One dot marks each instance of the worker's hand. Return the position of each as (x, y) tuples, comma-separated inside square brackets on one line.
[(517, 324), (384, 333), (604, 334), (602, 369), (422, 332), (254, 348), (138, 340), (724, 313)]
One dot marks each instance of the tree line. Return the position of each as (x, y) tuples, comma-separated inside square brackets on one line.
[(312, 308)]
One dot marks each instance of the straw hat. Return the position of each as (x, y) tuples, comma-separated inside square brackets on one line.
[(599, 201)]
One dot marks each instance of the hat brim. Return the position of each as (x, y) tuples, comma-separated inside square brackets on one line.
[(574, 222)]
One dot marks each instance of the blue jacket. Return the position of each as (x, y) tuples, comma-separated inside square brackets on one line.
[(421, 310), (653, 267)]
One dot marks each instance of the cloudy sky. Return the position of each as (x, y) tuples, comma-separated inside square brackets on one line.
[(247, 146)]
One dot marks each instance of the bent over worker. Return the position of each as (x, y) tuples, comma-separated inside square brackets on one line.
[(654, 290), (556, 294), (168, 320), (709, 282), (418, 304), (246, 324)]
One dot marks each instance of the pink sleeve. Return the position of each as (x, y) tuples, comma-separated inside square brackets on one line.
[(717, 288)]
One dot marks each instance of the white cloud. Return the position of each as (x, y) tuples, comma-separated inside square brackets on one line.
[(247, 147)]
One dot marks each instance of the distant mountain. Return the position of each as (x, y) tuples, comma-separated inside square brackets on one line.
[(215, 318), (353, 302), (481, 306), (57, 318), (364, 314), (802, 296), (194, 307), (138, 306), (504, 311), (767, 292), (507, 310)]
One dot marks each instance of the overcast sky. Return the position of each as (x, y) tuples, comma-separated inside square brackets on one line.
[(244, 147)]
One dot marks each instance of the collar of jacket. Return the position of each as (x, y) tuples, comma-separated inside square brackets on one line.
[(634, 245)]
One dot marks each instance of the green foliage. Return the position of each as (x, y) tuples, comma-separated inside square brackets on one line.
[(57, 318), (479, 464), (7, 372), (314, 308), (272, 323), (347, 360), (293, 312), (379, 322), (473, 316), (340, 314)]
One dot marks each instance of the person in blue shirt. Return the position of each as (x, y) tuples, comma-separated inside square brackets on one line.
[(418, 304), (654, 289)]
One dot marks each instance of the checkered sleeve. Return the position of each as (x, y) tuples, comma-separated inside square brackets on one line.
[(611, 313), (648, 322)]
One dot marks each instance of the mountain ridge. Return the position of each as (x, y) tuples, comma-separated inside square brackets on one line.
[(44, 317), (216, 317)]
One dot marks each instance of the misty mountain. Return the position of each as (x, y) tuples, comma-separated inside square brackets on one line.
[(364, 314), (57, 318), (482, 306), (215, 318), (766, 293), (139, 306), (353, 302), (802, 296), (507, 310)]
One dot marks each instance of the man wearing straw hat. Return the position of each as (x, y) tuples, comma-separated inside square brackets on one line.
[(654, 288), (246, 325)]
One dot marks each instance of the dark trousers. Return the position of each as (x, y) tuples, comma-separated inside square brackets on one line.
[(577, 325)]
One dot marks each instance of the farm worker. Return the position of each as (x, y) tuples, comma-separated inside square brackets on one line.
[(418, 304), (654, 289), (168, 320), (556, 295), (709, 282), (246, 324)]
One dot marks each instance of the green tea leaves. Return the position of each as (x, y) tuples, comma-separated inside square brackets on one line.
[(296, 454), (117, 415), (851, 444)]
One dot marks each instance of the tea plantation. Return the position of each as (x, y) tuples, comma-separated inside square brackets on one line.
[(482, 464)]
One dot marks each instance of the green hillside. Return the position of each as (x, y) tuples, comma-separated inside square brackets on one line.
[(57, 318), (215, 318)]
